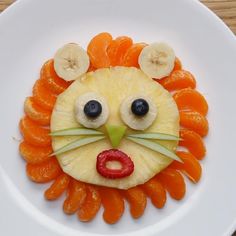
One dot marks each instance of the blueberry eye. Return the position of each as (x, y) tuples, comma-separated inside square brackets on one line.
[(139, 107), (92, 109)]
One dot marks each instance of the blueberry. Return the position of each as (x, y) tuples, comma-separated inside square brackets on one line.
[(92, 109), (140, 107)]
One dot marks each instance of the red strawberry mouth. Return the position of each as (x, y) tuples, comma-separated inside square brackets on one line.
[(126, 164)]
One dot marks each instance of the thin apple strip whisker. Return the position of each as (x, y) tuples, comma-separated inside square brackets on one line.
[(76, 144), (155, 147), (158, 136), (75, 132)]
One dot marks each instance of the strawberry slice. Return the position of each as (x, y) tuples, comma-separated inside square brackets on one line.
[(126, 168)]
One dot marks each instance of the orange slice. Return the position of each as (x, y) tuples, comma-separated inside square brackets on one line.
[(194, 121), (191, 99), (34, 155), (43, 172), (137, 200), (193, 142), (97, 50), (191, 167), (36, 113), (58, 187), (91, 205), (34, 134)]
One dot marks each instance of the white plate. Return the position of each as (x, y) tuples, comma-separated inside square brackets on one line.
[(31, 31)]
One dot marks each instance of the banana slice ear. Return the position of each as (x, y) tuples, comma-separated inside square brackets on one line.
[(71, 61), (157, 60)]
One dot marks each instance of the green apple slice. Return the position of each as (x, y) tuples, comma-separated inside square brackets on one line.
[(75, 131), (76, 144), (115, 133), (155, 147), (159, 136)]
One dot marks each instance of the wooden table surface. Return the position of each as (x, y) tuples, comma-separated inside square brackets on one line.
[(225, 9)]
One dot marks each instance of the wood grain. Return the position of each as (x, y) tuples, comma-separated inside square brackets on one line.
[(225, 9)]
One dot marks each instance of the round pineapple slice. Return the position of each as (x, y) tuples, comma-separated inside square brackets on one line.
[(115, 85)]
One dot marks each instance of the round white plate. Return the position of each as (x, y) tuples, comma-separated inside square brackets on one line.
[(30, 33)]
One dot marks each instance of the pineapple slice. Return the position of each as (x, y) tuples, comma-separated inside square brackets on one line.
[(115, 84)]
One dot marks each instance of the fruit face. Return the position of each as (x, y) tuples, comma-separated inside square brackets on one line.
[(115, 85)]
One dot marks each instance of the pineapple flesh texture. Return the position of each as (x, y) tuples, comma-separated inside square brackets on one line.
[(115, 84)]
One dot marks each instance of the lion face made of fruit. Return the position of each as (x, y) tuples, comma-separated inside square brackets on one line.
[(112, 95)]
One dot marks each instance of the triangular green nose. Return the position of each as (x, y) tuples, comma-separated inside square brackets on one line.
[(115, 133)]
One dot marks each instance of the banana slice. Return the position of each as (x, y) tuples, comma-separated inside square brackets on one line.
[(157, 60), (71, 61), (92, 117), (134, 121)]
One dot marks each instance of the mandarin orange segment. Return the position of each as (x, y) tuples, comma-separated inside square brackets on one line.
[(194, 121), (75, 198), (97, 50), (178, 64), (154, 189), (91, 205), (118, 48), (43, 172), (36, 113), (51, 80), (178, 79), (58, 187), (34, 155), (113, 204), (190, 166), (44, 97), (190, 99), (132, 55), (193, 142), (34, 134), (91, 68), (137, 200), (174, 183)]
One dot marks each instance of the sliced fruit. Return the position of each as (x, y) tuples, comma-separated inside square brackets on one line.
[(58, 187), (132, 54), (34, 134), (34, 155), (178, 64), (157, 60), (178, 79), (91, 68), (117, 49), (77, 143), (155, 147), (113, 204), (115, 133), (137, 201), (97, 50), (174, 183), (193, 142), (36, 113), (190, 166), (190, 99), (43, 172), (76, 196), (91, 110), (118, 82), (126, 167), (51, 80), (154, 189), (91, 205), (158, 136), (135, 118), (71, 61), (194, 121), (75, 132), (43, 96)]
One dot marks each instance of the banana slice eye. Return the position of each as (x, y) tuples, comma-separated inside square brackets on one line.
[(91, 110), (138, 112)]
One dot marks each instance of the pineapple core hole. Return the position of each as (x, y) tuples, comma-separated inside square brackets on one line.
[(114, 165)]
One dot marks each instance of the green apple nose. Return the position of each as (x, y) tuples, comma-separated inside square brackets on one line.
[(115, 133)]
